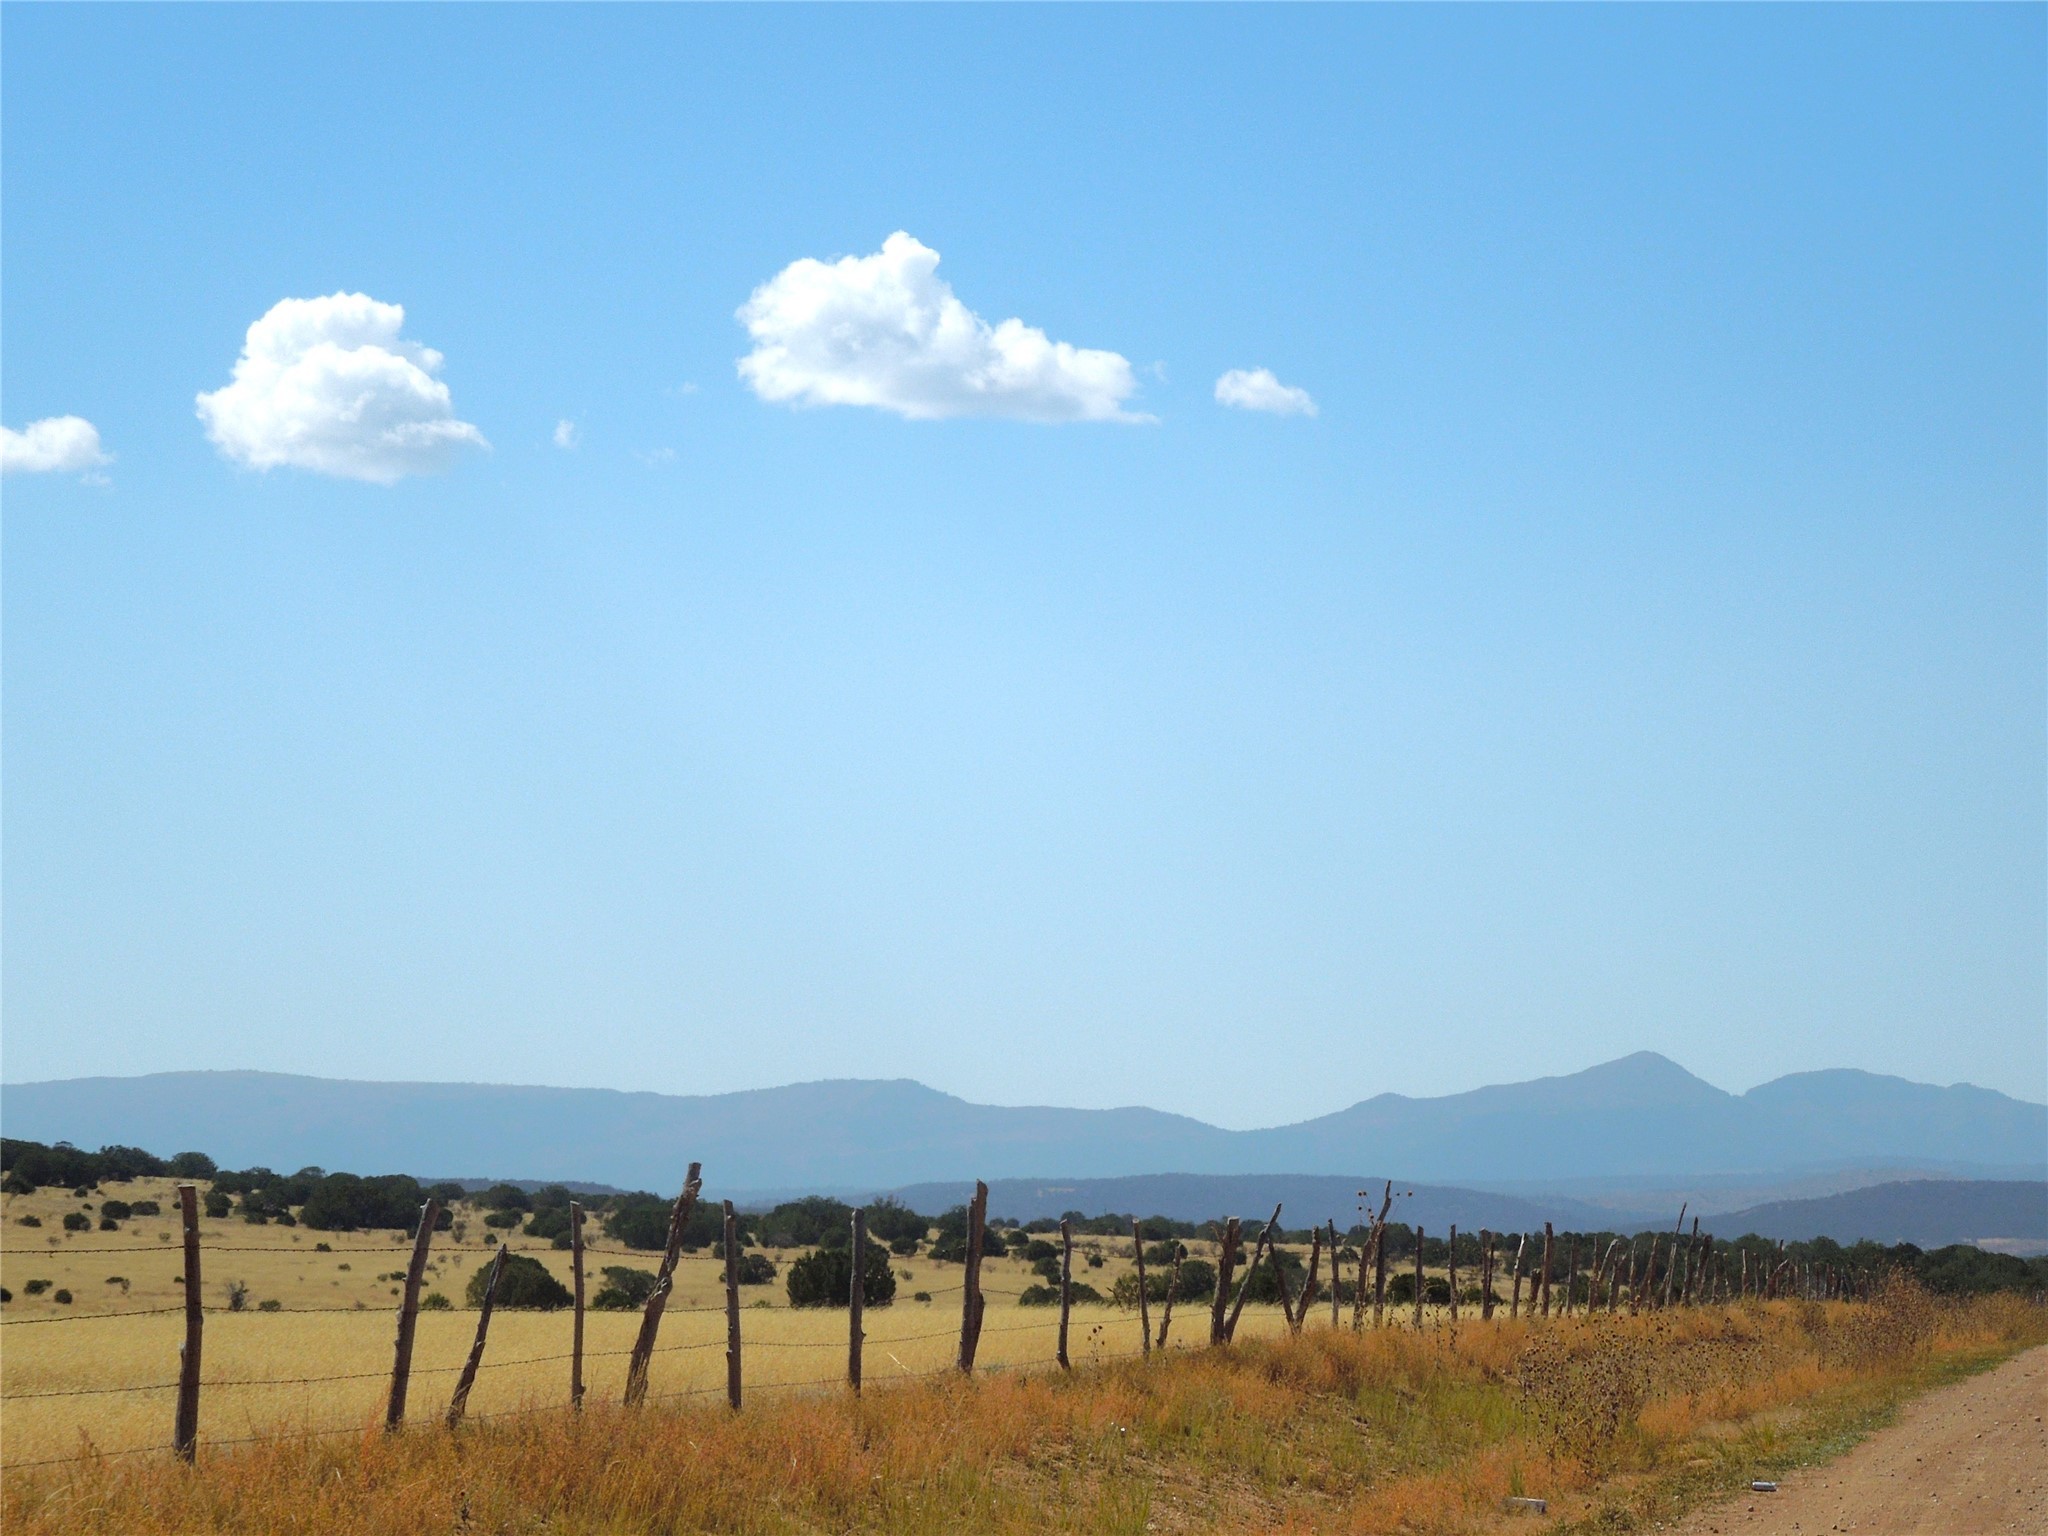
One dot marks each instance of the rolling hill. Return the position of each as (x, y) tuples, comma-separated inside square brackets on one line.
[(1640, 1115)]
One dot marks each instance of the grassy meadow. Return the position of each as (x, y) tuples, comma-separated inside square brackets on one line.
[(1619, 1422), (335, 1320)]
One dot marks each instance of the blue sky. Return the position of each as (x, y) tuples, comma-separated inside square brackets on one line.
[(1641, 646)]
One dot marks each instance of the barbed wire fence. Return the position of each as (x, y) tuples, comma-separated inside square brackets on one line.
[(1691, 1273)]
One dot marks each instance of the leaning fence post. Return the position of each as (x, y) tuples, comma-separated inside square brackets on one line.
[(856, 1298), (1336, 1317), (576, 1331), (1543, 1285), (1066, 1288), (1251, 1269), (1515, 1301), (408, 1316), (185, 1426), (1144, 1302), (1308, 1286), (1226, 1262), (1671, 1271), (1379, 1272), (732, 1307), (1485, 1275), (460, 1400), (1451, 1259), (1418, 1277), (970, 1289), (1172, 1289), (1571, 1271), (664, 1282)]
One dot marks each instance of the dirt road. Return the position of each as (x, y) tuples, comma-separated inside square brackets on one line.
[(1969, 1460)]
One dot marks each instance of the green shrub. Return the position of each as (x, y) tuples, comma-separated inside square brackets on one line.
[(893, 1223), (1049, 1295), (825, 1278), (550, 1221), (504, 1219), (434, 1301), (36, 1287), (28, 1221), (108, 1224), (269, 1306), (146, 1208), (218, 1204), (524, 1284), (77, 1221), (755, 1269), (634, 1285), (62, 1298), (117, 1210)]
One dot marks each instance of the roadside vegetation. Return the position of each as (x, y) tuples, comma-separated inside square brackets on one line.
[(1615, 1420)]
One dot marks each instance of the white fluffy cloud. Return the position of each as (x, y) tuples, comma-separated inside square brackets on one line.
[(1255, 389), (885, 330), (56, 445), (567, 434), (329, 385)]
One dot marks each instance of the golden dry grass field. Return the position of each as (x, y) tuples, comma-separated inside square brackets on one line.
[(1619, 1422), (65, 1367)]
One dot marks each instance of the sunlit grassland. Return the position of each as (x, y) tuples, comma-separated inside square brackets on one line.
[(1389, 1430), (337, 1321)]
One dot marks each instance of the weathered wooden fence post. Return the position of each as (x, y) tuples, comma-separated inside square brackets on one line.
[(1485, 1275), (1543, 1284), (1515, 1301), (576, 1330), (1379, 1275), (732, 1307), (1671, 1271), (460, 1401), (1226, 1265), (1418, 1276), (1066, 1288), (970, 1287), (1571, 1271), (408, 1317), (856, 1297), (664, 1282), (1172, 1289), (1451, 1258), (1244, 1288), (1309, 1284), (1144, 1302), (1336, 1317), (185, 1424)]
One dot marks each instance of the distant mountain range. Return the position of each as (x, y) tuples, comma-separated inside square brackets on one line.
[(1640, 1117), (1929, 1212)]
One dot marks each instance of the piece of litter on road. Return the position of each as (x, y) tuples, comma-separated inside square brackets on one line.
[(1534, 1506), (1762, 1487)]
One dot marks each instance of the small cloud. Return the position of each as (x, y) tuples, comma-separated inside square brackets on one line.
[(328, 385), (56, 445), (657, 456), (886, 331), (1255, 389), (684, 388), (567, 434)]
